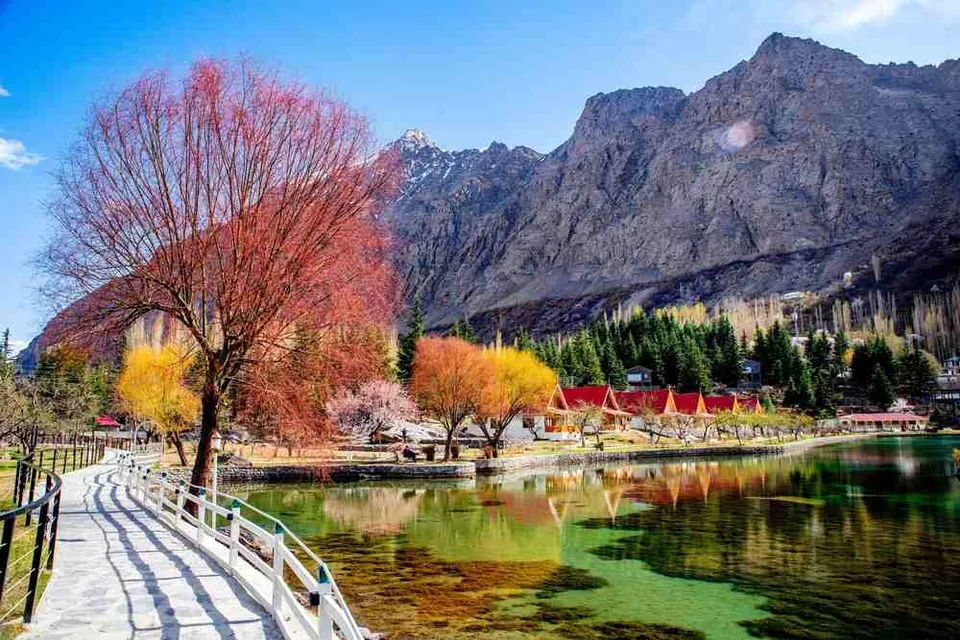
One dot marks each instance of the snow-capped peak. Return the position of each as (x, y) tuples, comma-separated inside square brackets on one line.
[(414, 140)]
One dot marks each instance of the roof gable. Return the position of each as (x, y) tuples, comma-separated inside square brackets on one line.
[(597, 395), (659, 401), (689, 403), (720, 403), (557, 400)]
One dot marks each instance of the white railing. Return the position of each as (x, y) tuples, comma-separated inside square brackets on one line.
[(257, 558)]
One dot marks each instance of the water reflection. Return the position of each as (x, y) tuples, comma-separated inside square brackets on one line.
[(853, 541)]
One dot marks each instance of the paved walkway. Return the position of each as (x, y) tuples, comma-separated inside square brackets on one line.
[(120, 573)]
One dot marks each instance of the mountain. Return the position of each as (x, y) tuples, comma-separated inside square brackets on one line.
[(781, 174)]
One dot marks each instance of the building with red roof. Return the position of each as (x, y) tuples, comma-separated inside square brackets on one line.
[(881, 421), (750, 405), (640, 402), (600, 395), (564, 403), (716, 404), (106, 422), (690, 404)]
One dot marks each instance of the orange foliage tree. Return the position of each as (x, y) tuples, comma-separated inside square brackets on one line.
[(449, 382), (520, 383), (243, 206)]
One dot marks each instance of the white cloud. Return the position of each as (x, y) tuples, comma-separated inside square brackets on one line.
[(3, 92), (849, 15), (13, 155)]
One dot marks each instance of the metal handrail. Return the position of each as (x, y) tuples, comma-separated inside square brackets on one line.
[(45, 533), (150, 488), (303, 547)]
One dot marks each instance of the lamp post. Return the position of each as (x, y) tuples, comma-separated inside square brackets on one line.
[(216, 445)]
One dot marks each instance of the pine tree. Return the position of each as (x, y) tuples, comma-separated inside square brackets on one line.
[(838, 362), (819, 361), (408, 342), (692, 371), (881, 391), (523, 342), (777, 355), (799, 388), (570, 365), (614, 370), (918, 373), (760, 347), (463, 330), (6, 356), (549, 353), (728, 364), (591, 368), (868, 358), (768, 405)]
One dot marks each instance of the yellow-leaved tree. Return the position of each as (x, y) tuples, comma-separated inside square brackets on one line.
[(521, 384), (152, 386)]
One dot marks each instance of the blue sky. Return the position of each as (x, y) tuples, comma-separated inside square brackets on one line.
[(464, 72)]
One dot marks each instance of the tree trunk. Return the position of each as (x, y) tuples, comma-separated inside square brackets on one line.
[(448, 444), (210, 403), (178, 444)]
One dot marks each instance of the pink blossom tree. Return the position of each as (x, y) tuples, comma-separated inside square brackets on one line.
[(374, 407)]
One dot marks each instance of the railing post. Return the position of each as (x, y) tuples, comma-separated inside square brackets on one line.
[(53, 530), (181, 488), (201, 514), (33, 482), (277, 567), (6, 539), (162, 493), (35, 563), (324, 619), (234, 533), (53, 467), (16, 485), (160, 485)]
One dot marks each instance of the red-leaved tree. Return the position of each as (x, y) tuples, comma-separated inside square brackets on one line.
[(286, 396), (240, 205)]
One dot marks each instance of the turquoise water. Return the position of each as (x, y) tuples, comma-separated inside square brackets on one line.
[(854, 540)]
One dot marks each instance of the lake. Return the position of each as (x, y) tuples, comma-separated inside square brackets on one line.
[(857, 540)]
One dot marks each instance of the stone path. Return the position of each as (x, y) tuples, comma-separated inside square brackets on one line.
[(121, 573)]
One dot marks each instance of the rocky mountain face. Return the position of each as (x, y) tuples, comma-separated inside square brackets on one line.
[(779, 175)]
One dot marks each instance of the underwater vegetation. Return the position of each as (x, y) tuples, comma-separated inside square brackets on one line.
[(854, 541)]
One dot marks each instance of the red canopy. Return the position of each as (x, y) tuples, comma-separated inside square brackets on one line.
[(107, 421)]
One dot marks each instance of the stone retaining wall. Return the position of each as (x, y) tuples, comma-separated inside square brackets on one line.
[(337, 472), (496, 466)]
